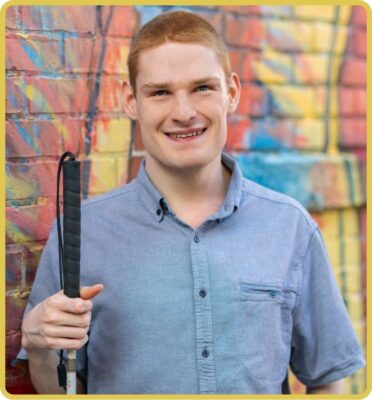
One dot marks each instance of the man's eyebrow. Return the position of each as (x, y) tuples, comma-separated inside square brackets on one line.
[(163, 85)]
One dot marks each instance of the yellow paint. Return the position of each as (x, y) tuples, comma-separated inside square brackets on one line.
[(122, 170), (355, 307), (314, 12), (323, 36), (300, 33), (112, 136), (312, 68), (310, 134), (294, 101), (267, 67), (102, 174), (353, 278)]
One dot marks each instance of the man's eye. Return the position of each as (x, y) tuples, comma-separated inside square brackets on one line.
[(160, 93), (203, 88)]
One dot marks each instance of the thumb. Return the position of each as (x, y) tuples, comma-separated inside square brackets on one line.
[(88, 292)]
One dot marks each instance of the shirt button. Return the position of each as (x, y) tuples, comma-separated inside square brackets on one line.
[(158, 211), (205, 353), (202, 293), (196, 239)]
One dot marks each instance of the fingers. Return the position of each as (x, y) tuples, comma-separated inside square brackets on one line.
[(88, 292), (65, 343)]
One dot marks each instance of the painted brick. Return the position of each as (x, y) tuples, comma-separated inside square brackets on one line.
[(313, 68), (133, 167), (242, 63), (243, 10), (253, 100), (273, 67), (111, 136), (52, 18), (25, 138), (357, 43), (122, 170), (322, 12), (31, 180), (352, 102), (32, 257), (270, 134), (78, 54), (353, 132), (102, 174), (243, 31), (276, 11), (290, 35), (238, 128), (323, 38), (110, 95), (32, 53), (15, 266), (137, 137), (82, 54), (11, 17), (15, 305), (359, 16), (116, 56), (292, 101), (17, 379), (323, 94), (354, 72), (14, 100), (23, 223), (316, 181), (123, 21), (309, 134), (49, 95)]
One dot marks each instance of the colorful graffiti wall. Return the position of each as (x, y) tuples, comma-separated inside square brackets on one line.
[(300, 127)]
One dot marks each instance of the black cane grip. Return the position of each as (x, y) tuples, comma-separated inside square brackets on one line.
[(71, 227)]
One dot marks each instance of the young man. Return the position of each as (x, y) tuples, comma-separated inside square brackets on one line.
[(212, 284)]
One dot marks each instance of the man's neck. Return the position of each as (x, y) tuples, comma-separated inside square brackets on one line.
[(193, 194)]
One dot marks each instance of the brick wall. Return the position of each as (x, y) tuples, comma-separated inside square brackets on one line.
[(300, 127)]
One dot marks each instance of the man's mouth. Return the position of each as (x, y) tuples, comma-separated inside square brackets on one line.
[(186, 134)]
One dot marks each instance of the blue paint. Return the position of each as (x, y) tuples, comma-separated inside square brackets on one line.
[(286, 173), (260, 136), (32, 54)]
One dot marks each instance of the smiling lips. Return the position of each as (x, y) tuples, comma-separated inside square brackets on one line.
[(185, 135)]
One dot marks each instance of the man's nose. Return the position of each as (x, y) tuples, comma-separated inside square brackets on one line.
[(183, 109)]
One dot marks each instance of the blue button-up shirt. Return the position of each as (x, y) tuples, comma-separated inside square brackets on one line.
[(224, 308)]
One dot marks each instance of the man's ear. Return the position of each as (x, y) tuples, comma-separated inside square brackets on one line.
[(129, 101), (234, 89)]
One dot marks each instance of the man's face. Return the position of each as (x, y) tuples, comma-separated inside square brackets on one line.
[(182, 101)]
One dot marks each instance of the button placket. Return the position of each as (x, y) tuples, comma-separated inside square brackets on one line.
[(203, 316)]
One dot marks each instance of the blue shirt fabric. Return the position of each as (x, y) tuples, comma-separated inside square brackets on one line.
[(224, 308)]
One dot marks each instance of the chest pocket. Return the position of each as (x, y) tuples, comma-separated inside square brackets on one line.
[(265, 327)]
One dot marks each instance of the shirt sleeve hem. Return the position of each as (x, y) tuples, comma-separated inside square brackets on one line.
[(334, 374)]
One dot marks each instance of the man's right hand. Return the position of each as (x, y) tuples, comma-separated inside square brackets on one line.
[(60, 322)]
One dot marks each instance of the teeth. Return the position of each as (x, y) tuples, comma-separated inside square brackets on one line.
[(196, 133)]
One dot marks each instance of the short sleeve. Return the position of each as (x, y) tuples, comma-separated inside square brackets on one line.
[(324, 346), (47, 283)]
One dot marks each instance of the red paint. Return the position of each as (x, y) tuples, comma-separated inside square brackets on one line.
[(28, 220), (354, 72), (253, 100), (353, 132), (117, 27), (15, 97), (47, 50), (66, 18), (237, 129), (244, 31)]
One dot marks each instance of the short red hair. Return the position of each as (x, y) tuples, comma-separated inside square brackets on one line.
[(179, 27)]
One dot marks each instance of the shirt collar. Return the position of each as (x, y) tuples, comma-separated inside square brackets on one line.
[(157, 204)]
